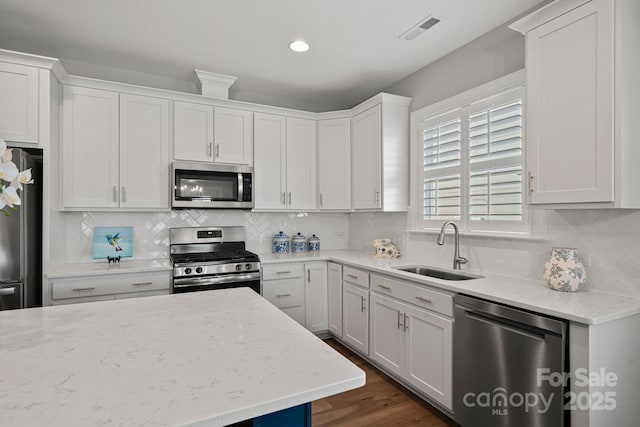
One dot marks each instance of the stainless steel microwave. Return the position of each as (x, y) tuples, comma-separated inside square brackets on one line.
[(209, 186)]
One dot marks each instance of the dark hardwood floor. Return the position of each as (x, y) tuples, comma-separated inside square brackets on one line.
[(381, 402)]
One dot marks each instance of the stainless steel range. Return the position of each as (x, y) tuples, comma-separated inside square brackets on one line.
[(208, 258)]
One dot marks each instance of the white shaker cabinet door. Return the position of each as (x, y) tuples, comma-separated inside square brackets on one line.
[(387, 326), (233, 136), (90, 148), (355, 303), (366, 159), (301, 164), (428, 354), (270, 161), (570, 84), (316, 310), (334, 164), (193, 131), (18, 103), (334, 282), (144, 152)]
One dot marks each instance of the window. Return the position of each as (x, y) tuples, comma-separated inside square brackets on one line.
[(469, 157)]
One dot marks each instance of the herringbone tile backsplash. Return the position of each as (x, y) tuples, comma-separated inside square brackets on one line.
[(151, 230)]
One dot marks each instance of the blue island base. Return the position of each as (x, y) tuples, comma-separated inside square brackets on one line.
[(297, 416)]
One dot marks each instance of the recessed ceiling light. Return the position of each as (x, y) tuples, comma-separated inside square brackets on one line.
[(299, 46)]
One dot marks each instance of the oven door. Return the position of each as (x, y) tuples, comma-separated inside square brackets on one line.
[(210, 283)]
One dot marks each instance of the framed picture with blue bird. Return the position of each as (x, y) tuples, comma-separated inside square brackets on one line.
[(110, 242)]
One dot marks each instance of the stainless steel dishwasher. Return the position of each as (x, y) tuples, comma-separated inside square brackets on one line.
[(507, 366)]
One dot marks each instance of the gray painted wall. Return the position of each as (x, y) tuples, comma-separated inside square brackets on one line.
[(493, 55)]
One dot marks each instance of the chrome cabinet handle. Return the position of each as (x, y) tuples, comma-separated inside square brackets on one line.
[(385, 287), (210, 149), (283, 272), (83, 289), (289, 198), (406, 321), (142, 284), (376, 197), (423, 299), (362, 306), (283, 295), (283, 200), (353, 276), (320, 199), (115, 194), (218, 150), (530, 183), (399, 321), (124, 194), (309, 275)]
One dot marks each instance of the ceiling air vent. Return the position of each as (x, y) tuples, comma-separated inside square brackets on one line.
[(419, 28)]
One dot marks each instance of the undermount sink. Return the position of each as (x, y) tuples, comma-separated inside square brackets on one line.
[(437, 273)]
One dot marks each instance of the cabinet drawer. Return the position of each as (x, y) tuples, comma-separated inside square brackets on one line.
[(284, 293), (282, 271), (440, 302), (355, 276), (89, 286)]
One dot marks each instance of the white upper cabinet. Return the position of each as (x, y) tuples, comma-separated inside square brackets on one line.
[(193, 131), (115, 150), (366, 159), (380, 154), (233, 136), (580, 140), (285, 163), (90, 155), (144, 152), (334, 164), (212, 134), (301, 164), (18, 103), (270, 171)]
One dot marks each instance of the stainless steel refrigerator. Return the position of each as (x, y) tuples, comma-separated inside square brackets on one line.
[(21, 240)]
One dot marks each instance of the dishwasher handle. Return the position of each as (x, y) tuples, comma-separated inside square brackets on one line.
[(509, 325), (528, 319)]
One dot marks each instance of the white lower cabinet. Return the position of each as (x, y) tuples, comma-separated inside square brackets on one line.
[(334, 296), (70, 290), (299, 290), (283, 286), (411, 342), (355, 309), (315, 296)]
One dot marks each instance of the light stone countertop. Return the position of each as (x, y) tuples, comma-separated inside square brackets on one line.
[(588, 307), (199, 359)]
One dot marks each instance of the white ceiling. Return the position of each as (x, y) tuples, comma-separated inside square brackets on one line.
[(355, 46)]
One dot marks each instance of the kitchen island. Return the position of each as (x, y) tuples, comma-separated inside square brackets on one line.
[(203, 359)]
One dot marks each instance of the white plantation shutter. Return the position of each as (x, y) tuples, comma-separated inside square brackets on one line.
[(472, 165), (442, 198), (442, 158)]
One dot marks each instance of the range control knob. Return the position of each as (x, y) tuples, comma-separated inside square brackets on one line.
[(238, 267), (247, 266), (187, 270), (198, 270)]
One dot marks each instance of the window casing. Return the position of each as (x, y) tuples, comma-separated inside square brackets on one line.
[(468, 161)]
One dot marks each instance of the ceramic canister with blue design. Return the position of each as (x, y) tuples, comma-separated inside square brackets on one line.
[(299, 243), (280, 243), (313, 244)]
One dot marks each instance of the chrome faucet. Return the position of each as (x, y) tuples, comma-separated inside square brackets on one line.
[(457, 259)]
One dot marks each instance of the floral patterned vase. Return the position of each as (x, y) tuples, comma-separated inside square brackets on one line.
[(564, 270)]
